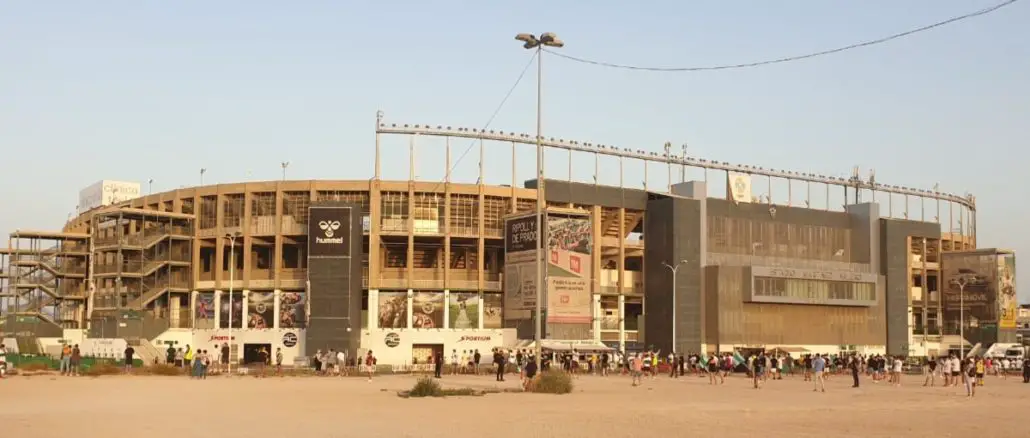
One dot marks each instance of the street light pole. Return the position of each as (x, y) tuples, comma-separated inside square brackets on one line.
[(674, 269), (530, 42), (232, 271)]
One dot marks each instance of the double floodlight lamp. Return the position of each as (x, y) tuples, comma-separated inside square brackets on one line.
[(531, 41)]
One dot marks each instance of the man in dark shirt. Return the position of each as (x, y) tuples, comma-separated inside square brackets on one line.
[(170, 354), (437, 364), (477, 358), (853, 364), (530, 373), (129, 352), (225, 357), (499, 361)]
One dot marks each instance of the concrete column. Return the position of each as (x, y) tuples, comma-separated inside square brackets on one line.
[(276, 307), (218, 308), (622, 322), (174, 305), (411, 307), (446, 309), (373, 309), (596, 311), (482, 313), (193, 309)]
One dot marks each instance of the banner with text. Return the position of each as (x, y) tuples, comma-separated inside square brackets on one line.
[(569, 269), (520, 256)]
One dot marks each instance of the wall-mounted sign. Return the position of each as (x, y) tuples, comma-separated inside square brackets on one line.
[(392, 339), (813, 274), (474, 339), (221, 338), (290, 340), (329, 231)]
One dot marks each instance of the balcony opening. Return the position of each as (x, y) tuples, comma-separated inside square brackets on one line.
[(394, 215), (294, 256)]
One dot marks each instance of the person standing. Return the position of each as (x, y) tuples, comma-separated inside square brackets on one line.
[(819, 366), (897, 367), (76, 358), (187, 357), (170, 355), (853, 364), (529, 374), (500, 360), (66, 360), (929, 369), (3, 360), (225, 358), (1026, 370), (438, 364), (477, 358), (279, 362), (129, 353)]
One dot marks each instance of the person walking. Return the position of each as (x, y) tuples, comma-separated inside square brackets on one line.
[(819, 366), (3, 360), (637, 369)]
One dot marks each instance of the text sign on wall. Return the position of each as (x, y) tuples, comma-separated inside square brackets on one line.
[(520, 234), (813, 274), (329, 231)]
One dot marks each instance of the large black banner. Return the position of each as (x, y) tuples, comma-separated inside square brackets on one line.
[(329, 231), (520, 234)]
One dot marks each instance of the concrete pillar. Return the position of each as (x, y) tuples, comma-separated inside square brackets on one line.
[(482, 313), (218, 308), (446, 309), (373, 309), (276, 307), (411, 307), (596, 311), (246, 299), (622, 322)]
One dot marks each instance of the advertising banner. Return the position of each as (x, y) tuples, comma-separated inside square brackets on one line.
[(261, 310), (291, 310), (569, 250), (464, 310), (204, 307), (520, 275), (1008, 303), (493, 309), (970, 282), (427, 310), (329, 231), (393, 310), (237, 310)]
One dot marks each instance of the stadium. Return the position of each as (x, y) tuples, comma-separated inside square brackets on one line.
[(406, 268)]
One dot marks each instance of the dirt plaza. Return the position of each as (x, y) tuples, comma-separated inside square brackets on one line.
[(53, 406)]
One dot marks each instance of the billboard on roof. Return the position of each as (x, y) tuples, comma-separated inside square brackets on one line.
[(107, 192)]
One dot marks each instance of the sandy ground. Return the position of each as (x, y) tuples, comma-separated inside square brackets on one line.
[(45, 406)]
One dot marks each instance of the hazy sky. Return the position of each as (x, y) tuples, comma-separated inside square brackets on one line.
[(132, 90)]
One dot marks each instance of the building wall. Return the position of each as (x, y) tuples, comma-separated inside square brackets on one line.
[(742, 323), (673, 228), (894, 261)]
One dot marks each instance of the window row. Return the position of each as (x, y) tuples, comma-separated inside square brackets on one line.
[(813, 291)]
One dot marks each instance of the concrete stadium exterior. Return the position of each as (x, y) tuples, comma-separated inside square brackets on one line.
[(159, 269)]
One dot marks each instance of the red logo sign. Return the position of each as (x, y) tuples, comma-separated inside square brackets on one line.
[(474, 339), (565, 299), (554, 257), (574, 264), (221, 338)]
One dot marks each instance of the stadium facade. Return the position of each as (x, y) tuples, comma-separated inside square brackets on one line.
[(408, 268)]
